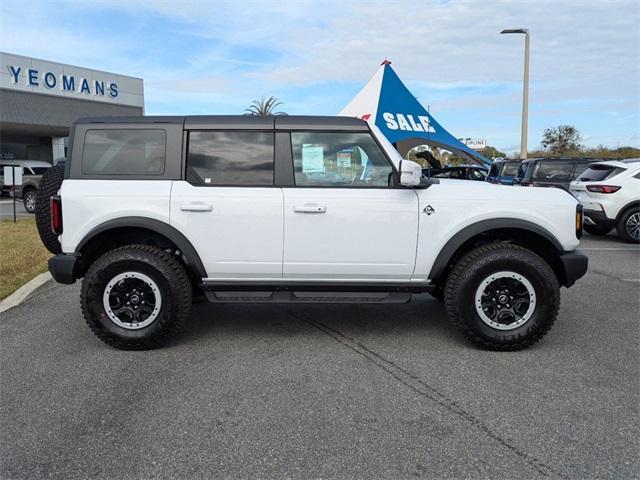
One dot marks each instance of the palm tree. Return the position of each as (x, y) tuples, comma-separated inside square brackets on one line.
[(264, 107)]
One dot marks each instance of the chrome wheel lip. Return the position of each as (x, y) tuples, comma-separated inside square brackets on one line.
[(632, 226), (138, 276), (496, 276)]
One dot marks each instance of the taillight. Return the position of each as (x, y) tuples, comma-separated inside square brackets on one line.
[(55, 203), (603, 188), (579, 220)]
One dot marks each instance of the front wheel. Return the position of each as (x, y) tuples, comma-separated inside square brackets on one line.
[(502, 296), (136, 297), (629, 225)]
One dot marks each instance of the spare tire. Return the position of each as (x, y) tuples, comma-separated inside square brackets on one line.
[(49, 185)]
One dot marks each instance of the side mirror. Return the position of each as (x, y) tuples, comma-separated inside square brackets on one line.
[(410, 173)]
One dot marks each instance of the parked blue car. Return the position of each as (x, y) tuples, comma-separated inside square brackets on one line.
[(503, 171)]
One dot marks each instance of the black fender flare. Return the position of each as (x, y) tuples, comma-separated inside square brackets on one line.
[(470, 231), (157, 226)]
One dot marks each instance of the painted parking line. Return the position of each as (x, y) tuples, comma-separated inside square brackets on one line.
[(612, 249)]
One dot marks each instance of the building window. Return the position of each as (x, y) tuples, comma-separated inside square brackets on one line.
[(230, 158)]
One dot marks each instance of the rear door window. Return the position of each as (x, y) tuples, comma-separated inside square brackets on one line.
[(124, 152), (228, 158)]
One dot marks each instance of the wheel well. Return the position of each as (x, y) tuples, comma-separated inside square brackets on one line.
[(626, 208), (107, 240), (528, 239)]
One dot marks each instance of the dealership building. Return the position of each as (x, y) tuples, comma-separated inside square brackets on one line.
[(39, 100)]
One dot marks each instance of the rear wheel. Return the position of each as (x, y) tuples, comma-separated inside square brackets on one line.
[(29, 200), (49, 185), (629, 225), (136, 297), (502, 296), (597, 229)]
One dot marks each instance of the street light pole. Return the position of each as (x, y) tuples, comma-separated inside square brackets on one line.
[(525, 91)]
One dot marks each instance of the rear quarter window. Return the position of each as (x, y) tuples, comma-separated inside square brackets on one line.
[(553, 171), (510, 170), (598, 173), (124, 152)]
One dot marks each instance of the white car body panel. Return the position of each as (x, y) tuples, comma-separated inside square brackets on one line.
[(90, 203), (363, 234), (458, 204), (240, 237)]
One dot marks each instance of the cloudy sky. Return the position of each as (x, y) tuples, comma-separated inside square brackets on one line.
[(215, 57)]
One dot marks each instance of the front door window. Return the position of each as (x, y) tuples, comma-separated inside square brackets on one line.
[(331, 159)]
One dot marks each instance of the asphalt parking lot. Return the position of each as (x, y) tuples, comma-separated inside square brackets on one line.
[(264, 391), (6, 209)]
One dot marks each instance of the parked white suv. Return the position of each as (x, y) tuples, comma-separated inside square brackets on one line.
[(154, 210), (610, 194)]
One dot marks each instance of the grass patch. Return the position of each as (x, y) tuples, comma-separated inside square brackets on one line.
[(22, 255)]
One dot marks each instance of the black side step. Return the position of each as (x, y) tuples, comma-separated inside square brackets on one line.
[(283, 296)]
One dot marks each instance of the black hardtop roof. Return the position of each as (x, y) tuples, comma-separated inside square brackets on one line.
[(231, 122)]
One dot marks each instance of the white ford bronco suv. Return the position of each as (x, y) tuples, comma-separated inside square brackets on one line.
[(152, 211)]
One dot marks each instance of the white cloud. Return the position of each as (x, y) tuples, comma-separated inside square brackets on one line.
[(584, 55)]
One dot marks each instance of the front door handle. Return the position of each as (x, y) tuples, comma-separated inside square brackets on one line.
[(310, 208), (196, 207)]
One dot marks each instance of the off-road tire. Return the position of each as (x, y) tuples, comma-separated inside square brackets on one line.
[(623, 221), (49, 185), (164, 269), (469, 272), (27, 196), (597, 229)]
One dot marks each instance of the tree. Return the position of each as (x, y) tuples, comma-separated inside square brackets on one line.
[(492, 152), (561, 140), (264, 107)]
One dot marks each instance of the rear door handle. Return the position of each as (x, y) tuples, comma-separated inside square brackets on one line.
[(196, 207), (310, 208)]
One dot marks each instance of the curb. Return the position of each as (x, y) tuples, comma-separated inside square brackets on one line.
[(25, 291)]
